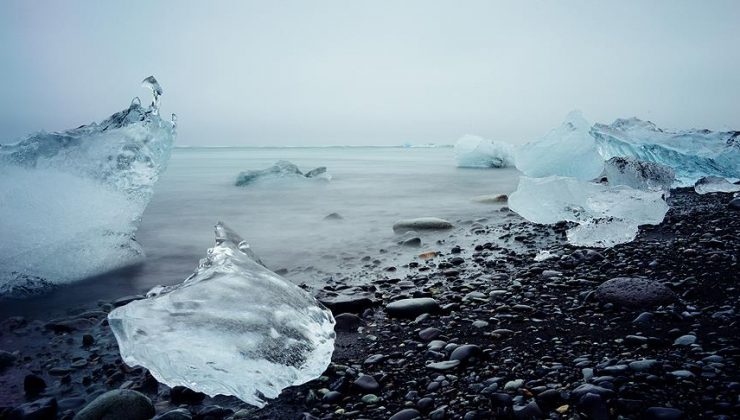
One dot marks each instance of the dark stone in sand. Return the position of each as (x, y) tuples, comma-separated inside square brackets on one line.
[(663, 413), (42, 409), (411, 308), (594, 407), (339, 304), (366, 384), (406, 414), (634, 292), (347, 322), (69, 325), (184, 395), (412, 242), (449, 364), (88, 340), (119, 404), (592, 389), (332, 397), (33, 385)]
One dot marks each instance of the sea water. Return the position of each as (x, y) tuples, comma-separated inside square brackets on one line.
[(283, 220)]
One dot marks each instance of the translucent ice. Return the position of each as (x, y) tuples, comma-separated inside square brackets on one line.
[(282, 169), (639, 174), (568, 150), (606, 215), (233, 328), (691, 153), (477, 152), (712, 184), (71, 200)]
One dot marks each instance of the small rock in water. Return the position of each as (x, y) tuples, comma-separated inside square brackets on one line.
[(421, 223)]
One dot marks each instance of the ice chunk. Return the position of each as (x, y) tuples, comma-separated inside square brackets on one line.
[(477, 152), (282, 169), (151, 83), (232, 328), (606, 215), (568, 150), (72, 200), (639, 174), (712, 184), (691, 153)]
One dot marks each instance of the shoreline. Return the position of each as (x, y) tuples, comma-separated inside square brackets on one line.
[(531, 339)]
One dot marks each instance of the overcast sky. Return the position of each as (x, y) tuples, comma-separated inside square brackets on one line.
[(372, 72)]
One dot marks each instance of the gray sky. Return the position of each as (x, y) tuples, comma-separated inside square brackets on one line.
[(350, 72)]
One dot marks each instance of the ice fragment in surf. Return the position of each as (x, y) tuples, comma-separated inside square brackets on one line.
[(233, 328), (639, 174), (72, 200), (606, 215), (712, 184), (691, 153), (568, 150), (282, 169), (477, 152)]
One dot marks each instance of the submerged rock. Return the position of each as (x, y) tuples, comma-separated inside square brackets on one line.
[(421, 223), (491, 199), (232, 328)]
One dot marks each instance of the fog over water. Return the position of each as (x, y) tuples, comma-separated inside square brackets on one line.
[(374, 73)]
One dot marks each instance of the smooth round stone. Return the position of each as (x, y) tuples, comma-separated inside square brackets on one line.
[(514, 385), (119, 404), (430, 333), (347, 322), (367, 383), (480, 324), (421, 223), (663, 413), (685, 340), (411, 308), (643, 365), (370, 399), (682, 374), (436, 345), (406, 414), (465, 352), (449, 364), (634, 292)]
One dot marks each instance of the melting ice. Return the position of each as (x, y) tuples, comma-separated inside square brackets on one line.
[(282, 169), (232, 328), (71, 200), (477, 152)]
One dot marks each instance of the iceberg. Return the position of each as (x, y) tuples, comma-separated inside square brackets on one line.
[(713, 184), (233, 328), (605, 215), (691, 153), (477, 152), (282, 169), (72, 200), (568, 150), (639, 174)]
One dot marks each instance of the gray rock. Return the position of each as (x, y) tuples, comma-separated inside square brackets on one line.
[(411, 308), (466, 352), (449, 364), (367, 384), (347, 322), (592, 389), (406, 414), (685, 340), (735, 203), (119, 404), (44, 408), (421, 223), (634, 292)]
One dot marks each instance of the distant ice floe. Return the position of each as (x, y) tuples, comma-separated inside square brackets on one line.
[(282, 169), (642, 163), (72, 200), (232, 328), (477, 152)]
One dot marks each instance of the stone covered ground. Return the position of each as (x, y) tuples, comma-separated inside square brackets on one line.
[(489, 333)]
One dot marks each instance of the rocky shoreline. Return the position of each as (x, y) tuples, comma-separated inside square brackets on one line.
[(473, 329)]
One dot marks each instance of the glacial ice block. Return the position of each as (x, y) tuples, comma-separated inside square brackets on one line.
[(712, 184), (282, 169), (606, 215), (568, 150), (691, 153), (477, 152), (233, 328), (639, 174), (72, 200)]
